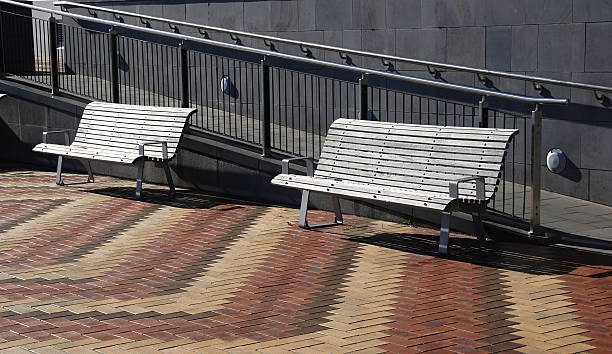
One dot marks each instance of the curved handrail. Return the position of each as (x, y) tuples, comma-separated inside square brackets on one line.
[(344, 51), (264, 53)]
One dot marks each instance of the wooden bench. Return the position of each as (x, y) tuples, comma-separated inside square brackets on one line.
[(121, 133), (423, 166)]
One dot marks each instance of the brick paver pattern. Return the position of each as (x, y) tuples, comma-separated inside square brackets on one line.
[(86, 267)]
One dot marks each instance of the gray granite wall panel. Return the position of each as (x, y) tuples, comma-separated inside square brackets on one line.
[(561, 48), (451, 13), (333, 14), (466, 46), (592, 10), (402, 14), (548, 11), (597, 51), (499, 48), (524, 52), (504, 12), (369, 14)]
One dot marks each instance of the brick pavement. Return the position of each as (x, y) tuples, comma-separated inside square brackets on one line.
[(85, 268)]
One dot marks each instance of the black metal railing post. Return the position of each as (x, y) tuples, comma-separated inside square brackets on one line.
[(483, 113), (264, 75), (184, 76), (53, 55), (114, 65), (363, 98)]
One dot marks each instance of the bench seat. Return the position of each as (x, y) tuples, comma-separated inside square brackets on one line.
[(121, 133), (356, 190), (444, 169), (85, 152)]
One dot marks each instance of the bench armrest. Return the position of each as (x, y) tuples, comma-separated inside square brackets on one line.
[(309, 165), (66, 133), (453, 187), (164, 145)]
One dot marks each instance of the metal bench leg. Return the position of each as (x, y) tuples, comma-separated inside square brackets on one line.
[(444, 233), (479, 230), (169, 179), (87, 164), (140, 165), (303, 222), (58, 178)]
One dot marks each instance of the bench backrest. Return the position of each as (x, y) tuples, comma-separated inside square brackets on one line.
[(121, 128), (415, 157)]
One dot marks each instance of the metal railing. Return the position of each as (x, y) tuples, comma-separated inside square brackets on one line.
[(269, 41), (275, 101)]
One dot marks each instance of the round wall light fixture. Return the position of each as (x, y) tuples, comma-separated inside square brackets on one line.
[(556, 160)]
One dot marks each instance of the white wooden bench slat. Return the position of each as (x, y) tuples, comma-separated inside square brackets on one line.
[(412, 139), (114, 126), (423, 127), (392, 153), (406, 164), (466, 189), (121, 108), (401, 168), (359, 191), (403, 187), (93, 154), (133, 120), (102, 143), (355, 142), (143, 135), (425, 134), (152, 152), (394, 160), (381, 178)]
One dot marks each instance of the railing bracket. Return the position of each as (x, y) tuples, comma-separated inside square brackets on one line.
[(482, 79), (599, 96), (235, 38), (92, 13), (118, 18), (270, 45), (347, 59), (433, 71), (145, 22), (204, 33), (537, 86), (388, 64), (173, 27), (306, 51)]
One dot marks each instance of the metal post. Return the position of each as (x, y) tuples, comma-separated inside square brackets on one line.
[(363, 98), (53, 55), (536, 171), (184, 75), (265, 107), (483, 113), (114, 65)]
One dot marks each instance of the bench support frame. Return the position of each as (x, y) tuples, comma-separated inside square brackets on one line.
[(303, 221), (478, 212), (141, 162), (140, 174)]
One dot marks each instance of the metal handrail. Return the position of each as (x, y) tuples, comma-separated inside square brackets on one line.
[(537, 81), (263, 52)]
